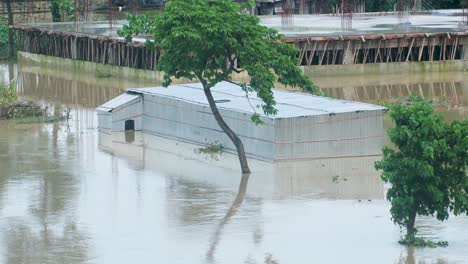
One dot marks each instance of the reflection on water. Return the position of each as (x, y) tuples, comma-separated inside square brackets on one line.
[(452, 95), (409, 258), (36, 195), (449, 88), (64, 91), (435, 90), (343, 178), (7, 72), (195, 193), (214, 240), (69, 194)]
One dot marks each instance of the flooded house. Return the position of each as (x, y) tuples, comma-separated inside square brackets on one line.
[(305, 127)]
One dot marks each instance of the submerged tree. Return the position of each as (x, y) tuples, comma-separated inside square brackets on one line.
[(203, 39), (427, 172)]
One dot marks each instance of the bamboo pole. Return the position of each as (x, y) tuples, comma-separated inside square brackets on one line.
[(409, 50), (421, 49), (378, 51), (303, 52), (346, 52), (454, 48), (312, 54)]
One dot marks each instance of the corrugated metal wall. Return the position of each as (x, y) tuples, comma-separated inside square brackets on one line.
[(195, 123), (325, 136), (104, 121)]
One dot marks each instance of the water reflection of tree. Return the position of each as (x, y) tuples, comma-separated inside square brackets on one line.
[(26, 245), (214, 241), (191, 202), (195, 203), (410, 259), (47, 232)]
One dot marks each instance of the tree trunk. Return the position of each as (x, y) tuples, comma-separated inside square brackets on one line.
[(10, 31), (234, 138), (410, 229)]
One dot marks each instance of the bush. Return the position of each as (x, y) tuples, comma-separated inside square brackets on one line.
[(26, 111), (8, 94)]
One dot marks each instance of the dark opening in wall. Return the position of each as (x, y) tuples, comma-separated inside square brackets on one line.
[(129, 131), (129, 125)]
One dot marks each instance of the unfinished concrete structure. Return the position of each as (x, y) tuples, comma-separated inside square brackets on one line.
[(439, 36), (321, 39), (306, 126)]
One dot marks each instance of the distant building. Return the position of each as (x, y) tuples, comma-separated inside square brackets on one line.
[(141, 3), (274, 7)]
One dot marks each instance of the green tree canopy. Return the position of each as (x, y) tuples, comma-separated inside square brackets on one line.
[(202, 39), (379, 5), (427, 171), (444, 4), (61, 10), (205, 39)]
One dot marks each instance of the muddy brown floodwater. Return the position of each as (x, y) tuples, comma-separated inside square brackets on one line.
[(71, 195)]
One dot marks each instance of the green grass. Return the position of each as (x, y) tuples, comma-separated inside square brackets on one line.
[(103, 74)]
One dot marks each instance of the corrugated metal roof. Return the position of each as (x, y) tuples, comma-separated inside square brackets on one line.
[(289, 104), (118, 101)]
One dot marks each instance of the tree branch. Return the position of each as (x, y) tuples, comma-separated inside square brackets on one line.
[(235, 70), (231, 64), (202, 80), (246, 93)]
